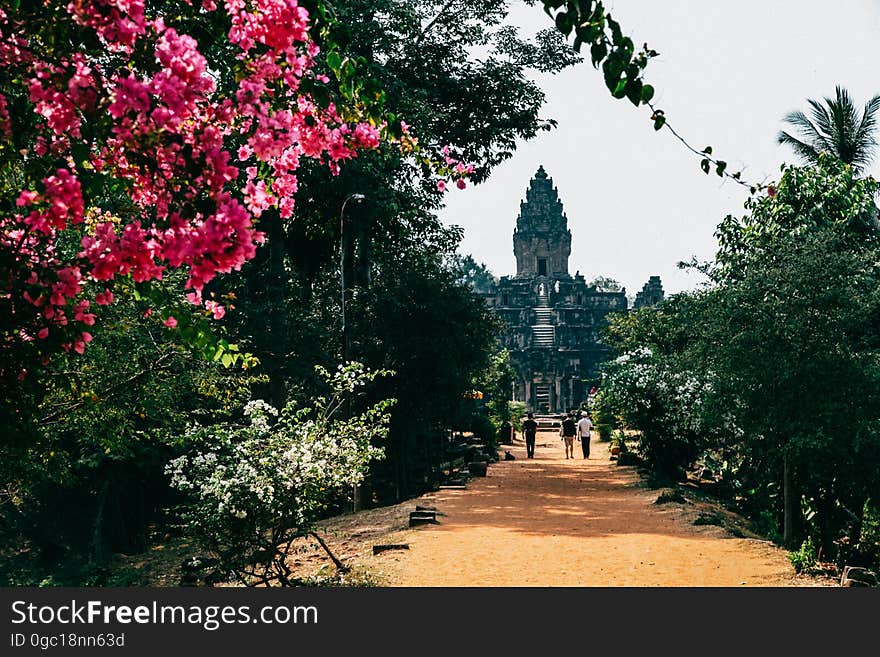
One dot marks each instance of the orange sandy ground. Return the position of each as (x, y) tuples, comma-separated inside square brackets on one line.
[(557, 522)]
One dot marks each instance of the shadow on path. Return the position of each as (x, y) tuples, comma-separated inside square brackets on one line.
[(552, 521)]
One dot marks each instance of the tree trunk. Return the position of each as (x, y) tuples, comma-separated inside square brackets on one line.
[(825, 510), (791, 505), (854, 528), (99, 553)]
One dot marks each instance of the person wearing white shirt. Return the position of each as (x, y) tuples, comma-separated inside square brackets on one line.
[(584, 426)]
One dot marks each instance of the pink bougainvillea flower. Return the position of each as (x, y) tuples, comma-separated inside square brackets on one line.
[(199, 165), (171, 322), (441, 185), (460, 183), (215, 308)]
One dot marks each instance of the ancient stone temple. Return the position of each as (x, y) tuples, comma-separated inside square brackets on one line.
[(650, 295), (553, 319)]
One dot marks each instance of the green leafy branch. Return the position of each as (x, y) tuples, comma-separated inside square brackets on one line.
[(362, 93)]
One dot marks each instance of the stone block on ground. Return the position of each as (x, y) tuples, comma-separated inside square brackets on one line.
[(478, 468), (422, 518), (858, 576), (378, 549), (628, 458)]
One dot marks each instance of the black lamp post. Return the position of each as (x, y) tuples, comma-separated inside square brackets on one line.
[(351, 197), (355, 493)]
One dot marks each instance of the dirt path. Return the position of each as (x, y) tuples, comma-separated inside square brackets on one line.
[(557, 522)]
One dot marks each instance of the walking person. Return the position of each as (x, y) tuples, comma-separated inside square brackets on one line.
[(583, 429), (530, 429), (568, 430)]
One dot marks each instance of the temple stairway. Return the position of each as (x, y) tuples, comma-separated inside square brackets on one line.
[(543, 331), (542, 398)]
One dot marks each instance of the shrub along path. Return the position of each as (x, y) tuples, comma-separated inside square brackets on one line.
[(556, 522)]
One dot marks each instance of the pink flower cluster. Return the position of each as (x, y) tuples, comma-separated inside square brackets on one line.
[(456, 170), (175, 144), (283, 126), (118, 23), (215, 309), (5, 124)]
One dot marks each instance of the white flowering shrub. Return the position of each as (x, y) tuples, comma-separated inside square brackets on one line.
[(667, 406), (254, 488)]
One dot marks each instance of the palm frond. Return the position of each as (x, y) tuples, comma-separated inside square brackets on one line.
[(802, 149), (821, 117), (845, 119), (864, 135), (835, 126), (808, 132)]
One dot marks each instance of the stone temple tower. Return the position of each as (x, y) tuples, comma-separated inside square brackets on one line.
[(541, 240), (651, 293)]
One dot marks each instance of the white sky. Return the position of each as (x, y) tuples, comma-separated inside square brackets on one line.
[(636, 200)]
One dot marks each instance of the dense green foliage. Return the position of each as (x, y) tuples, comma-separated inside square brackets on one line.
[(86, 444), (769, 378), (605, 284), (459, 77), (82, 470)]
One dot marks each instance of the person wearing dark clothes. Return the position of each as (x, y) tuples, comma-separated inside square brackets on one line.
[(530, 429), (506, 433), (568, 431)]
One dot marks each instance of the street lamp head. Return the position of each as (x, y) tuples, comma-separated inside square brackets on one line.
[(357, 197)]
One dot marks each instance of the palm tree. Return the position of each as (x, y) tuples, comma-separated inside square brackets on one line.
[(836, 128)]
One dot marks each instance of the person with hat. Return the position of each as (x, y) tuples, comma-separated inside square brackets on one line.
[(584, 426)]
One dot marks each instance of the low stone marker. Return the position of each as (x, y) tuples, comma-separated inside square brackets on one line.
[(417, 518), (478, 468)]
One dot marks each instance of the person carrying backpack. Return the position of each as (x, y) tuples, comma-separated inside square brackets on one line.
[(568, 431)]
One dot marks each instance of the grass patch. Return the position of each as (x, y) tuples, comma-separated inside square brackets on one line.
[(715, 519), (806, 559), (670, 496)]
